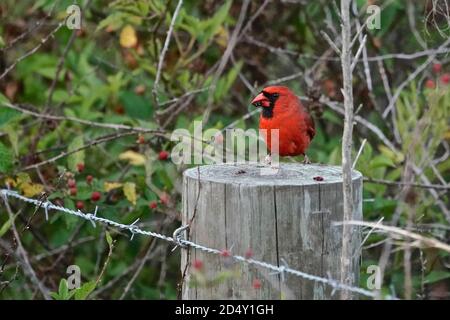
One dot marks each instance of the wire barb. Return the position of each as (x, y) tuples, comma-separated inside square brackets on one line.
[(90, 216), (45, 205), (133, 228), (281, 269)]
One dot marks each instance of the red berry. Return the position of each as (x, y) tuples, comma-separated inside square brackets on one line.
[(163, 155), (89, 179), (80, 167), (95, 196), (437, 67), (197, 264), (225, 253), (318, 178), (71, 183), (248, 253), (256, 284), (430, 84), (73, 191), (153, 205), (80, 205), (164, 198), (140, 139), (119, 109), (445, 78)]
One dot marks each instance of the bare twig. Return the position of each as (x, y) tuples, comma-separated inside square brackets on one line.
[(174, 100), (62, 58), (257, 13), (359, 153), (346, 60), (85, 122), (164, 51), (226, 56), (384, 78), (330, 42), (105, 264), (59, 67), (389, 56), (358, 53), (88, 145), (410, 78), (26, 265), (373, 128), (415, 185), (35, 28), (34, 50), (284, 79), (427, 242), (139, 268)]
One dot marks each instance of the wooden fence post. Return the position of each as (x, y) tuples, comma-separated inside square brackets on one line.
[(287, 216)]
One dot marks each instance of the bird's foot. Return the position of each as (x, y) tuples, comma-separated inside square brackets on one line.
[(306, 160), (270, 167), (266, 162)]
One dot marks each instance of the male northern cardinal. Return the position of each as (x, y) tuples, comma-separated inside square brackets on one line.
[(282, 109)]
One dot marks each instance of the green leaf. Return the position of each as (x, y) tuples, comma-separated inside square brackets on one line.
[(435, 276), (213, 24), (85, 290), (7, 225), (381, 161), (63, 288), (224, 84), (13, 138), (3, 99), (77, 157), (55, 295), (63, 291), (135, 105), (6, 114), (6, 158), (332, 117), (109, 239)]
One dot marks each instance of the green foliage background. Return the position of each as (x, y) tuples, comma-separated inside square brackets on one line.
[(102, 80)]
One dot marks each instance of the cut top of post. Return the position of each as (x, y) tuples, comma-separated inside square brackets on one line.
[(288, 174)]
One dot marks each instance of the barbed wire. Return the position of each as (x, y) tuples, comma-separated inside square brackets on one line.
[(179, 241)]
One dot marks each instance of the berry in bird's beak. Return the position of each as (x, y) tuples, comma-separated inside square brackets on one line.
[(261, 101)]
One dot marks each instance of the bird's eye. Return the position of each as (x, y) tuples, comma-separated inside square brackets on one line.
[(275, 95)]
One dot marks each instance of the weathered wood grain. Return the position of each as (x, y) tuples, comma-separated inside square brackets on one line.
[(283, 217)]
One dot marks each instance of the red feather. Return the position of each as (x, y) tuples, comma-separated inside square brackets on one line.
[(284, 111)]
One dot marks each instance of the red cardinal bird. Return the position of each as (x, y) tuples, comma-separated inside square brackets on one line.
[(282, 109)]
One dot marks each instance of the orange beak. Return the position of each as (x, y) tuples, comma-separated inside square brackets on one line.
[(261, 101)]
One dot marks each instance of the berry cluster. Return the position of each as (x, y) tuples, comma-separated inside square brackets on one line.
[(444, 78), (73, 190)]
